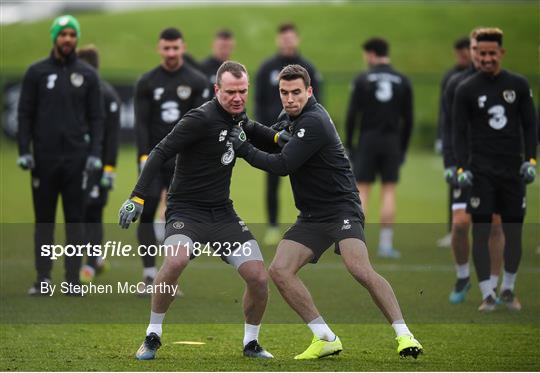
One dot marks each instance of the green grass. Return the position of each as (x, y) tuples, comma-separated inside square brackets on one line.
[(102, 332), (421, 36)]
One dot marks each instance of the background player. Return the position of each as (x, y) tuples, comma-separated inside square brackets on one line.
[(268, 107), (162, 96), (330, 213), (222, 48), (494, 117), (461, 220), (199, 209), (101, 182), (463, 60), (65, 138), (382, 97)]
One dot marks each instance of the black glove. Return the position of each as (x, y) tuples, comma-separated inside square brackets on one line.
[(282, 125), (237, 137), (450, 174), (244, 121), (528, 171), (464, 178), (93, 163), (26, 162), (282, 138)]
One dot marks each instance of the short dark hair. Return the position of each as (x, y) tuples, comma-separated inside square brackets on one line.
[(233, 67), (224, 34), (293, 72), (170, 33), (89, 54), (288, 26), (490, 34), (462, 43), (377, 45)]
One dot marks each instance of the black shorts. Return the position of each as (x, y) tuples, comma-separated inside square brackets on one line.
[(459, 198), (373, 158), (219, 229), (318, 237), (497, 194)]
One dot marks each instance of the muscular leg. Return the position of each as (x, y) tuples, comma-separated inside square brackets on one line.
[(496, 248), (290, 257), (256, 293), (363, 190), (355, 256), (461, 222), (388, 204)]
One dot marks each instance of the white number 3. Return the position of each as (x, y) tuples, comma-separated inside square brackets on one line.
[(497, 120), (384, 91)]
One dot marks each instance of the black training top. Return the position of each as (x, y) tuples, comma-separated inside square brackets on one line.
[(112, 105), (210, 67), (60, 109), (444, 82), (493, 118), (162, 97), (383, 97), (205, 158), (449, 158), (267, 101), (321, 178)]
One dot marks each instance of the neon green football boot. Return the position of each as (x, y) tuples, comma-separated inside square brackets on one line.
[(320, 348), (408, 346)]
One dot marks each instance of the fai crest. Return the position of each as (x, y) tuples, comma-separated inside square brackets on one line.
[(178, 225), (184, 92), (509, 96), (77, 79), (475, 202), (457, 193), (228, 156)]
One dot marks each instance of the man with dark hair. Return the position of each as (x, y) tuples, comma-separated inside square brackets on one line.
[(495, 147), (222, 48), (268, 107), (60, 142), (199, 209), (461, 220), (463, 60), (382, 103), (330, 213), (162, 96), (99, 184)]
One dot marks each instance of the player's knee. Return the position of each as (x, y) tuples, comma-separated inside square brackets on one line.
[(258, 279), (278, 273)]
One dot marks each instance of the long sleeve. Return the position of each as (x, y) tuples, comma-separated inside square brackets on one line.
[(96, 116), (28, 102), (190, 129), (142, 118), (460, 125), (528, 121), (307, 140), (352, 112), (112, 129), (262, 137), (407, 118)]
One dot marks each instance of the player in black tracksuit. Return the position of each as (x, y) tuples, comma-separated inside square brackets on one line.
[(463, 61), (495, 148), (162, 96), (330, 212), (268, 105), (101, 182), (60, 118), (199, 209), (222, 48), (382, 99)]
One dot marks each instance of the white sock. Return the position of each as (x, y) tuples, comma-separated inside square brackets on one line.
[(462, 270), (401, 328), (486, 289), (509, 281), (385, 239), (251, 332), (494, 281), (321, 330), (149, 272), (156, 321)]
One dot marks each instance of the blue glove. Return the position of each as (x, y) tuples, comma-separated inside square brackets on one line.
[(93, 163), (130, 211), (464, 178), (450, 174), (26, 162), (528, 171)]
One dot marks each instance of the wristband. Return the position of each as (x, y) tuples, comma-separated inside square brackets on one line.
[(138, 200)]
